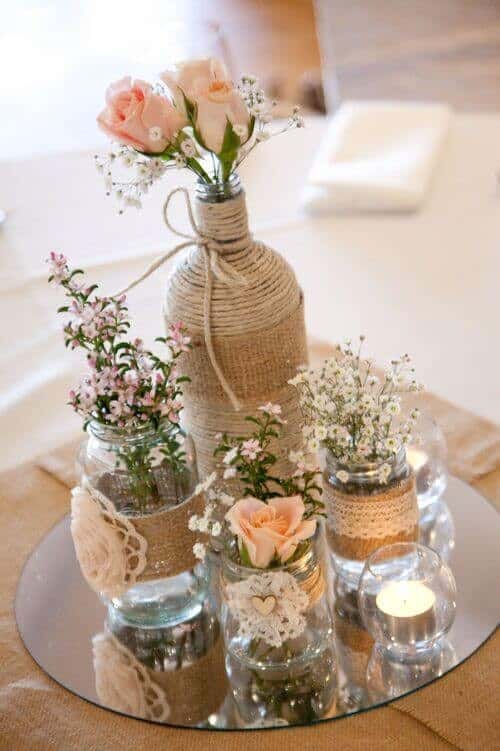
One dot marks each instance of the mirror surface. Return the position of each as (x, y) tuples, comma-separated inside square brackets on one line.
[(64, 625)]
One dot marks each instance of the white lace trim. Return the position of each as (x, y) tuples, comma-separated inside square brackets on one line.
[(365, 519), (268, 606), (123, 683), (110, 551)]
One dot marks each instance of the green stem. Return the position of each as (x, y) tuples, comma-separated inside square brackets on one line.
[(196, 167)]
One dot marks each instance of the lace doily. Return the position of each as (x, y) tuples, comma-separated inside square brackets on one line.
[(357, 516), (123, 684), (268, 606), (110, 551)]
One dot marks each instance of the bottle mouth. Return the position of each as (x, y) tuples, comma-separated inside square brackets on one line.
[(219, 191)]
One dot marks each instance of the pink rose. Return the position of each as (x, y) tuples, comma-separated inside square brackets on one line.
[(269, 528), (136, 117), (206, 84)]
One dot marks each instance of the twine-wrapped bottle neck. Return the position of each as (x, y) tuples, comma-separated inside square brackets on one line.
[(221, 215)]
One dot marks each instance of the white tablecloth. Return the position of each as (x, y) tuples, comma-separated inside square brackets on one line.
[(426, 283)]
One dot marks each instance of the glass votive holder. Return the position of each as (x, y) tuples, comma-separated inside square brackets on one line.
[(407, 599), (427, 456), (388, 678)]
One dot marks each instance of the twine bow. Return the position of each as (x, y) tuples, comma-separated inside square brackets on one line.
[(215, 266)]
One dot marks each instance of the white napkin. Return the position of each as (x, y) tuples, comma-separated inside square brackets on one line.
[(377, 156)]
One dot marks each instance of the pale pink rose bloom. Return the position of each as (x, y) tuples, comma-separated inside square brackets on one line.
[(137, 117), (206, 84), (269, 528)]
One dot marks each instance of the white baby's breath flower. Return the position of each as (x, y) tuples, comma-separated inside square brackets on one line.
[(229, 473), (296, 456), (313, 445), (241, 131), (180, 161), (226, 499), (199, 551), (216, 529), (155, 133), (193, 523), (384, 473), (206, 484), (230, 455), (188, 148), (342, 475)]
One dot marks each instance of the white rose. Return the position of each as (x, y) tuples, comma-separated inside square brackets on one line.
[(206, 84), (98, 545), (116, 680)]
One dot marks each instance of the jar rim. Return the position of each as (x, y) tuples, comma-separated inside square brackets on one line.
[(243, 572), (104, 430), (398, 550)]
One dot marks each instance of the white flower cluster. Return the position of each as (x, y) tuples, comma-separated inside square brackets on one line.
[(352, 412), (211, 522), (147, 171)]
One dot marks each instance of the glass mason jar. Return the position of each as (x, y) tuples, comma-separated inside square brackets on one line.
[(171, 674), (131, 469), (427, 455), (285, 676), (365, 513), (219, 192)]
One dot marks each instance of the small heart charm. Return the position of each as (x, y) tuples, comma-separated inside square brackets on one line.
[(264, 605)]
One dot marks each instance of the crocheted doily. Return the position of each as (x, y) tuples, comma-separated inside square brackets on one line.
[(123, 683), (110, 551), (268, 606)]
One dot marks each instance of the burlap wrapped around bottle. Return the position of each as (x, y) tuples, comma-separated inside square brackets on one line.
[(256, 335)]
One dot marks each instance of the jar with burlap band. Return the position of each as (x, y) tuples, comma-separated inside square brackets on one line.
[(174, 674), (278, 632), (364, 513), (129, 523), (241, 303)]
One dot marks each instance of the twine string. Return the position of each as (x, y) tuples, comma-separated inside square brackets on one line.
[(215, 266)]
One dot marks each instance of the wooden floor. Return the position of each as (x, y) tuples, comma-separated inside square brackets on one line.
[(406, 49)]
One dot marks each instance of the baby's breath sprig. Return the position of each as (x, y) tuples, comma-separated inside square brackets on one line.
[(353, 412)]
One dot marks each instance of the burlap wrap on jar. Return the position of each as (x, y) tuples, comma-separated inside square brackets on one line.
[(257, 331), (186, 696), (359, 523)]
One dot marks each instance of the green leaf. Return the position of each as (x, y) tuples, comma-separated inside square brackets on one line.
[(244, 555), (229, 150)]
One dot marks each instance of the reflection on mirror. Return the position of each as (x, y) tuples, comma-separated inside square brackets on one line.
[(182, 674)]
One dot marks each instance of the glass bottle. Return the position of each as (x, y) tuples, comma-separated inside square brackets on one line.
[(135, 471)]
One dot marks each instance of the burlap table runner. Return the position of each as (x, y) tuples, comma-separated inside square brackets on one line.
[(458, 711)]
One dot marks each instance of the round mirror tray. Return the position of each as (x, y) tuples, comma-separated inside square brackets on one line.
[(156, 674)]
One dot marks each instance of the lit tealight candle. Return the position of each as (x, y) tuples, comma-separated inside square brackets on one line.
[(407, 611)]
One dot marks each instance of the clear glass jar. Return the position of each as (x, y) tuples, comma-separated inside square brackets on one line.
[(427, 455), (171, 674), (407, 599), (293, 681), (353, 529), (131, 469)]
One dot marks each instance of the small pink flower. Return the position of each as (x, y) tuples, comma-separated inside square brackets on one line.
[(58, 266), (251, 449), (137, 117), (269, 529)]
